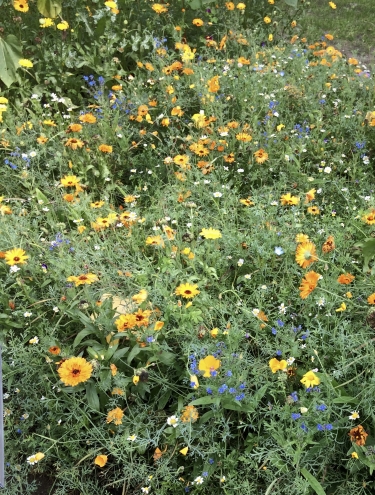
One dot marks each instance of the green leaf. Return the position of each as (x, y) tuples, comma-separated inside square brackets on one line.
[(313, 482), (195, 4), (164, 399), (92, 396), (134, 352), (204, 401), (81, 335), (291, 3), (49, 8), (368, 251), (10, 55), (343, 399), (40, 196), (120, 353)]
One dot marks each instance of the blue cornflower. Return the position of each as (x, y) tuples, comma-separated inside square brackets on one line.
[(295, 415), (213, 373), (240, 397), (205, 474), (232, 390), (278, 353), (320, 427), (321, 407), (280, 323), (229, 373), (360, 145), (304, 427), (209, 391), (274, 331), (294, 396), (150, 339), (328, 427), (242, 386)]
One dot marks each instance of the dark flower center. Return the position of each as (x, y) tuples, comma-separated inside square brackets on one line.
[(75, 372), (16, 258)]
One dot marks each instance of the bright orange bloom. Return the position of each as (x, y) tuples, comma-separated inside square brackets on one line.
[(306, 254), (308, 284), (358, 435), (346, 279)]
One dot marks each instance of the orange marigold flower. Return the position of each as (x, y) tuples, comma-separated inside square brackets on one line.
[(115, 416), (189, 414), (105, 148), (74, 143), (244, 137), (87, 118), (358, 435), (369, 217), (329, 245), (371, 298), (306, 254), (308, 284), (74, 371), (346, 278), (213, 84), (261, 156), (197, 22), (313, 210), (289, 200), (55, 350), (125, 322), (74, 128)]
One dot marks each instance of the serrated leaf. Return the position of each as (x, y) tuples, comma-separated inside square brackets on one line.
[(92, 396), (291, 3), (10, 55), (49, 8), (313, 482)]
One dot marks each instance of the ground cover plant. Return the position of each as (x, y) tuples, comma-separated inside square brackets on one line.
[(186, 251)]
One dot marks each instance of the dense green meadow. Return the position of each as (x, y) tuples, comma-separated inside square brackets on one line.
[(187, 250)]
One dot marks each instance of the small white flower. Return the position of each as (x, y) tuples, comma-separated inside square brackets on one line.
[(240, 262), (198, 480), (222, 479), (255, 311), (321, 302), (354, 415), (34, 340), (217, 194), (97, 248), (248, 276), (290, 361), (146, 489), (327, 170), (132, 438), (55, 309), (14, 269), (27, 314), (78, 220), (282, 309), (32, 154), (172, 421), (303, 410), (274, 203), (279, 250)]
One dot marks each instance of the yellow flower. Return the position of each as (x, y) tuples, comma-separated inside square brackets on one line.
[(341, 308), (188, 291), (155, 240), (184, 451), (115, 416), (189, 414), (354, 455), (306, 254), (267, 20), (158, 325), (46, 22), (135, 379), (21, 6), (209, 364), (332, 5), (74, 371), (62, 26), (84, 279), (33, 459), (105, 148), (24, 62), (16, 256), (140, 297), (101, 460), (210, 233), (310, 379), (277, 365), (289, 200), (302, 238), (241, 6), (159, 9), (197, 22)]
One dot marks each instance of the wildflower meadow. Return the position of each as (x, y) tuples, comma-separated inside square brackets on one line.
[(187, 251)]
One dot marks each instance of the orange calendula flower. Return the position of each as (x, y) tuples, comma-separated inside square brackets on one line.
[(115, 416), (16, 256), (74, 128), (308, 284), (213, 84), (244, 137), (346, 278), (261, 156), (329, 245), (313, 210), (84, 279), (159, 8), (74, 143), (310, 195), (155, 240), (306, 254), (369, 217), (21, 6), (97, 204), (229, 5), (300, 238), (182, 161), (142, 318), (105, 148), (113, 368), (209, 364), (87, 118), (277, 365), (310, 379), (247, 202), (55, 350), (189, 414), (125, 322), (101, 460), (140, 297), (289, 200), (188, 291), (197, 22), (74, 371), (358, 435), (371, 298)]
